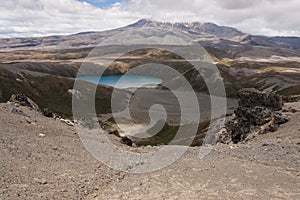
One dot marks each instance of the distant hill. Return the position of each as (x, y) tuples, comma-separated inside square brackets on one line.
[(233, 42), (244, 60)]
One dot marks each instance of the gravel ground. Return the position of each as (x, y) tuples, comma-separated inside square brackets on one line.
[(42, 158)]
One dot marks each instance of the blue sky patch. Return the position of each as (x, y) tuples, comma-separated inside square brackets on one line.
[(101, 3)]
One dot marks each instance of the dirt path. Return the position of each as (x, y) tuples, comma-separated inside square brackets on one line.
[(46, 160)]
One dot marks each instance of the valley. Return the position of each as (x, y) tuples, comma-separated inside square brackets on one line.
[(249, 151)]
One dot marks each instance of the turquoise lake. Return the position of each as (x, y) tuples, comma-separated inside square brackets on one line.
[(123, 82)]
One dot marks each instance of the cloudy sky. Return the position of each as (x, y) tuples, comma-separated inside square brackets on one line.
[(24, 18)]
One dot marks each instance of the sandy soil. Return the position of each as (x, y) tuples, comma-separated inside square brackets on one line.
[(44, 159)]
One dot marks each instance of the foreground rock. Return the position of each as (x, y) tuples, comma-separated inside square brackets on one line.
[(258, 113), (251, 97), (23, 100)]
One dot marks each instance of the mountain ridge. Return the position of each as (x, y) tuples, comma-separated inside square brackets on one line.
[(207, 34)]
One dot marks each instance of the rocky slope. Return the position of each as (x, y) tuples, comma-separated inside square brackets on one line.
[(257, 113), (42, 158)]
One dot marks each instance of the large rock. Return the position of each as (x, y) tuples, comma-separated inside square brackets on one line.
[(251, 97), (236, 130), (23, 100), (257, 113)]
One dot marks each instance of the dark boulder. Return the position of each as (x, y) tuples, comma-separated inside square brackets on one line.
[(251, 97), (47, 113), (281, 118), (237, 130), (127, 141), (256, 115), (273, 127), (258, 112)]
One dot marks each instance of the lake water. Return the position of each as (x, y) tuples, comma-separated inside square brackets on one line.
[(123, 82)]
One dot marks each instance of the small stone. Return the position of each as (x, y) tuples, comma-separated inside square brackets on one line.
[(293, 110), (267, 144), (273, 127), (42, 135), (28, 120), (47, 113), (281, 118), (55, 148), (41, 181), (18, 112), (127, 141), (114, 132), (285, 110), (81, 187)]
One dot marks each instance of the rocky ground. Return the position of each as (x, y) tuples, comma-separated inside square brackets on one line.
[(42, 158)]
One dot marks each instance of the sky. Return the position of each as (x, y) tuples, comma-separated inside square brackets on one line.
[(31, 18), (101, 3)]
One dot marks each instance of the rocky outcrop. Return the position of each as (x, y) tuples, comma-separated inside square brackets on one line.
[(251, 97), (23, 100), (257, 113)]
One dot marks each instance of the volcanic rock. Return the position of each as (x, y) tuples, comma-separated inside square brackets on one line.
[(127, 141), (23, 100), (47, 113), (251, 97), (257, 113)]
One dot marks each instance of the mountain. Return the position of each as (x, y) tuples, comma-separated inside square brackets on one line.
[(206, 31), (194, 28), (233, 42), (244, 60)]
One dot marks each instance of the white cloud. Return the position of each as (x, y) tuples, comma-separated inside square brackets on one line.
[(20, 18)]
